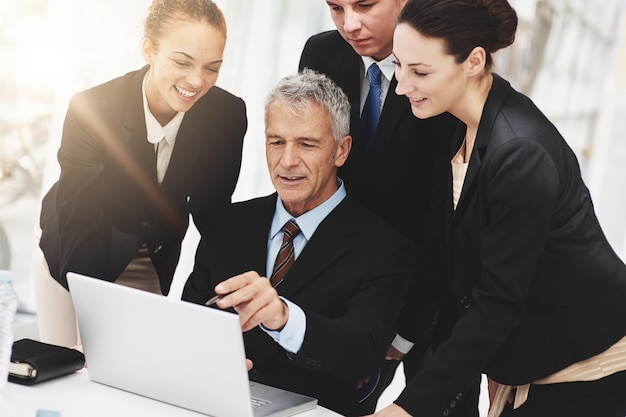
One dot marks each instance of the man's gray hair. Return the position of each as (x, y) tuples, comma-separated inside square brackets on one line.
[(300, 90)]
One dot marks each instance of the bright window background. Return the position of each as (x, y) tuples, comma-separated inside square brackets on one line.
[(569, 56)]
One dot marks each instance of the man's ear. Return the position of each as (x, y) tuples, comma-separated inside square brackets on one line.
[(343, 150)]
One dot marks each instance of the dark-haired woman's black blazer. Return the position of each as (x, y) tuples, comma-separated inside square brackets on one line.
[(535, 281)]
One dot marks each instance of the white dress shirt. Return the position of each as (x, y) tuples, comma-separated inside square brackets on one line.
[(291, 336), (163, 137), (387, 67)]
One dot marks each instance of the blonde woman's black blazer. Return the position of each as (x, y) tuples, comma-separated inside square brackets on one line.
[(107, 202)]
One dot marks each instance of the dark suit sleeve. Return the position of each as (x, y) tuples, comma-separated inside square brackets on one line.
[(420, 316), (329, 54), (305, 56), (351, 345), (198, 288), (82, 240)]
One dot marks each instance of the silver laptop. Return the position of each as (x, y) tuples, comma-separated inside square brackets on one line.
[(173, 351)]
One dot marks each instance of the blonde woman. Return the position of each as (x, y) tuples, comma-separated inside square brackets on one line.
[(138, 155)]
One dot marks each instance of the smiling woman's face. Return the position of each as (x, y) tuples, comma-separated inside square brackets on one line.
[(431, 79), (183, 66)]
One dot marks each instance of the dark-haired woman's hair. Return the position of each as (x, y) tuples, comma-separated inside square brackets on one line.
[(162, 12), (463, 24)]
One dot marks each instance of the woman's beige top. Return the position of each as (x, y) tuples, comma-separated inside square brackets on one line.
[(459, 170), (610, 361)]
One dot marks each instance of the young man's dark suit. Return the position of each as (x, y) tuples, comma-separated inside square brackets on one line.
[(399, 180), (107, 202), (350, 280)]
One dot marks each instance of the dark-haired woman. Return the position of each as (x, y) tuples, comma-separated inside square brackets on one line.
[(539, 292), (138, 155)]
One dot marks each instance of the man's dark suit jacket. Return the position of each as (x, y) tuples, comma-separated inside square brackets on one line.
[(107, 202), (350, 280), (535, 280), (397, 182)]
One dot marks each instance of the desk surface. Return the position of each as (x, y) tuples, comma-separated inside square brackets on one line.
[(76, 396)]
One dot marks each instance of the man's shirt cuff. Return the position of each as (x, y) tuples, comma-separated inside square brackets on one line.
[(402, 345), (291, 336)]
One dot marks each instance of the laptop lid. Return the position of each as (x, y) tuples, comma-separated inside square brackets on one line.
[(172, 351)]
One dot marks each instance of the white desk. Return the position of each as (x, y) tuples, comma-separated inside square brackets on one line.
[(76, 396)]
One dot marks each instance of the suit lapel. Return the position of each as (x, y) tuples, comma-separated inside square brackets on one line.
[(469, 183), (497, 95), (135, 136), (184, 153), (450, 212), (351, 80), (185, 150), (252, 250), (394, 109), (329, 243)]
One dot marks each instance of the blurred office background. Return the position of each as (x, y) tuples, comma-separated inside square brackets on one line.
[(569, 57)]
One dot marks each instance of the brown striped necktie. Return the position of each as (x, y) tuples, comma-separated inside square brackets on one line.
[(286, 256)]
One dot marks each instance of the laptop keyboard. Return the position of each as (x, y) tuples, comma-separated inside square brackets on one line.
[(257, 402)]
